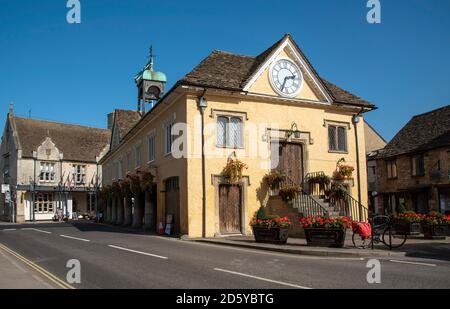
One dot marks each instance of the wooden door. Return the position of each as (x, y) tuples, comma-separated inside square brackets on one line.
[(291, 161), (230, 209), (172, 203)]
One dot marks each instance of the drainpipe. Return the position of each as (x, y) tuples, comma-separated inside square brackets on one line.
[(202, 105), (355, 121), (61, 179), (33, 218), (96, 186)]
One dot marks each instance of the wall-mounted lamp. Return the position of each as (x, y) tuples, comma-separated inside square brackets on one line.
[(202, 103), (293, 131)]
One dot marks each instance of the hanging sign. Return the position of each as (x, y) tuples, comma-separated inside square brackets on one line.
[(7, 197), (5, 188)]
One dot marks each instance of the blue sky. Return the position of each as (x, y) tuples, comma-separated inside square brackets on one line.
[(79, 73)]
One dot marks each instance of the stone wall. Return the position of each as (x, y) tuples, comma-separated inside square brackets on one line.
[(276, 206), (435, 176)]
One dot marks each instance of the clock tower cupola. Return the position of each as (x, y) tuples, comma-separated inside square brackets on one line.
[(150, 84)]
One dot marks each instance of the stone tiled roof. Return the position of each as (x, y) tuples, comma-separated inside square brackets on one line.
[(77, 143), (423, 132), (125, 120), (230, 71)]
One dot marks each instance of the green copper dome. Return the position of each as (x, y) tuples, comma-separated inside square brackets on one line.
[(148, 74), (154, 75)]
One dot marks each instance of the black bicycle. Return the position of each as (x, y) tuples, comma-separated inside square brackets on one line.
[(383, 231)]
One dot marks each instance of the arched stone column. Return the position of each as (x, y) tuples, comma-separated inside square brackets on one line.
[(114, 211), (120, 211), (127, 211), (108, 210), (138, 209), (149, 212)]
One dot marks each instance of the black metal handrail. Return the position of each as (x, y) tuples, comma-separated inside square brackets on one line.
[(347, 206), (304, 202), (308, 206)]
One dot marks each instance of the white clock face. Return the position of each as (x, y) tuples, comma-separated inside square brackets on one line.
[(286, 78)]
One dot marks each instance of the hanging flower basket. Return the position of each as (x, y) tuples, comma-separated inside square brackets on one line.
[(146, 181), (125, 188), (105, 192), (274, 180), (115, 189), (289, 192), (322, 181), (135, 183), (233, 170), (343, 171)]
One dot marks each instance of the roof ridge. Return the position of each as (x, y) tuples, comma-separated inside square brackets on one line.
[(231, 53), (60, 123), (125, 110), (430, 112)]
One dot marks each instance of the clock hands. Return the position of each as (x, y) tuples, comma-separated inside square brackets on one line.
[(284, 83), (286, 79)]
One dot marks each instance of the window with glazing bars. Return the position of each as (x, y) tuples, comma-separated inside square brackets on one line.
[(391, 169), (169, 138), (418, 165), (151, 148), (230, 132), (337, 138), (47, 172), (79, 173), (43, 203), (138, 155)]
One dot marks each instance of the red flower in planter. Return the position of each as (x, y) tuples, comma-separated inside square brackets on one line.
[(325, 222), (272, 222)]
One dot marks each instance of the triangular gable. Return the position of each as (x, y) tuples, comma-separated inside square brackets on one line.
[(47, 150), (312, 87), (115, 133)]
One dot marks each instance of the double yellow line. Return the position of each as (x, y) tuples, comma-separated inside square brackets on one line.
[(39, 269)]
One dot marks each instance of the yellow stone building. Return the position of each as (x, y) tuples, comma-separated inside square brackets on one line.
[(272, 111)]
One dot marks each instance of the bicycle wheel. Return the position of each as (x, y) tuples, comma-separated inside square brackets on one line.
[(359, 242), (392, 239)]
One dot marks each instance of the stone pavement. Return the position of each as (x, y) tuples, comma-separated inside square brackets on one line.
[(15, 274), (415, 246)]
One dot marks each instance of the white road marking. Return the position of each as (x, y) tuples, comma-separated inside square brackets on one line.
[(414, 263), (263, 279), (76, 238), (9, 230), (139, 252), (36, 230)]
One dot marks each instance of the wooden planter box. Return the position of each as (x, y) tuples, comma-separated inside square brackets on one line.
[(434, 231), (325, 237), (275, 235), (407, 228)]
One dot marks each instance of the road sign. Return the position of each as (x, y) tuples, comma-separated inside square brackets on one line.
[(5, 188)]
